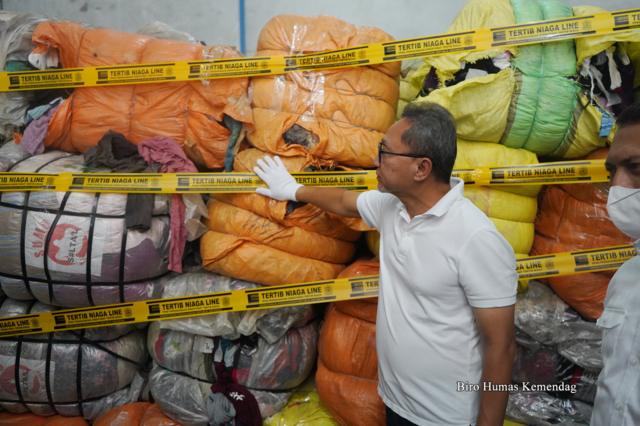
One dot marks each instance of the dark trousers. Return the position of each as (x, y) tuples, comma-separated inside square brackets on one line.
[(394, 419)]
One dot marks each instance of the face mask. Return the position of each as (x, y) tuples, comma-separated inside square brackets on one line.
[(623, 206)]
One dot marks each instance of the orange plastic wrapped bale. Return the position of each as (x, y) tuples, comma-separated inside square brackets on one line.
[(347, 376), (135, 414), (189, 112), (28, 419), (574, 217), (338, 115), (238, 258), (305, 216)]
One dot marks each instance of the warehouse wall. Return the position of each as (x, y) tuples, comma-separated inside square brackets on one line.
[(217, 21)]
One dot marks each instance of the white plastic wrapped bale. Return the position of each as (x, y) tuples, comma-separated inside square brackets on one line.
[(277, 355), (15, 45), (542, 409), (73, 249), (73, 373)]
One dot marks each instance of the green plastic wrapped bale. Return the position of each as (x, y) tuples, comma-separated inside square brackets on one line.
[(549, 59), (541, 114)]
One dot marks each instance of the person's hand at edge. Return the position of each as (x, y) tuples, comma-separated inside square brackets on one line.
[(280, 184)]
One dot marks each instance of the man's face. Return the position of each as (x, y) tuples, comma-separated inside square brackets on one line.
[(394, 171), (623, 161)]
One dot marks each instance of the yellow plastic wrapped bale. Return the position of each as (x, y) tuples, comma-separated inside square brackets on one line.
[(229, 219), (480, 106), (238, 258), (475, 14), (473, 154), (338, 115), (587, 47), (409, 85), (304, 408), (373, 242), (511, 208)]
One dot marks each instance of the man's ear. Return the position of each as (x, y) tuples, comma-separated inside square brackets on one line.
[(425, 166)]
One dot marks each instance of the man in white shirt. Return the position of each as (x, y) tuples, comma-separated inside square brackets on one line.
[(618, 397), (445, 322)]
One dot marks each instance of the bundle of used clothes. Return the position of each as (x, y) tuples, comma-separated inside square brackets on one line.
[(72, 373), (237, 367), (78, 249), (201, 116)]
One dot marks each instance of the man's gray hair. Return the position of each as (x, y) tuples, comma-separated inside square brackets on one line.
[(432, 133)]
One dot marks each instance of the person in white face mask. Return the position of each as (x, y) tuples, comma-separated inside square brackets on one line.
[(618, 397)]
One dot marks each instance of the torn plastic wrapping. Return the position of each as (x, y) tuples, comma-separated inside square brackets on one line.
[(10, 154), (77, 373), (542, 409), (186, 399), (72, 249), (281, 365), (184, 372), (15, 45), (271, 324), (338, 115)]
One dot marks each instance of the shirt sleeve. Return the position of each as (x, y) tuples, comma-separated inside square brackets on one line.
[(487, 270), (370, 205)]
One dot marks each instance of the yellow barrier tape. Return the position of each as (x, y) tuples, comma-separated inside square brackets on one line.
[(587, 171), (474, 40), (536, 267)]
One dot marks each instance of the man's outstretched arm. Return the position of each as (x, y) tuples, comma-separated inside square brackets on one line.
[(282, 186)]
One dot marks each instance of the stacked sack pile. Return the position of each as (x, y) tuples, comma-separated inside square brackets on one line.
[(239, 367), (347, 375), (556, 101), (329, 120)]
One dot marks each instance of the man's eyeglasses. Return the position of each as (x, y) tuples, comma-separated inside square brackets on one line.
[(381, 151)]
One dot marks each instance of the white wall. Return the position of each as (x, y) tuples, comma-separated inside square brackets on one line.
[(217, 21)]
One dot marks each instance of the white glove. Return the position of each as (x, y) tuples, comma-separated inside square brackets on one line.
[(281, 185)]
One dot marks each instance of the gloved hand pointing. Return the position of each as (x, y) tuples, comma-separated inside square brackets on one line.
[(281, 185)]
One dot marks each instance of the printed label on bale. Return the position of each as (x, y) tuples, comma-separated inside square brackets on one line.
[(116, 182), (334, 59), (286, 296), (364, 286), (34, 80), (538, 32), (220, 68), (602, 259), (626, 19), (93, 317), (428, 46), (63, 243), (25, 324), (217, 182), (12, 181), (124, 74), (188, 306)]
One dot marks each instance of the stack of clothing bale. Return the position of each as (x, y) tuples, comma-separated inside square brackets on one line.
[(202, 364), (327, 120), (73, 373), (347, 375)]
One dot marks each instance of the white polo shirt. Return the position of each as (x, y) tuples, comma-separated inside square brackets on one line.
[(433, 269)]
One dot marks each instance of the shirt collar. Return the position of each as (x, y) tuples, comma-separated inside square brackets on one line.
[(444, 204)]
